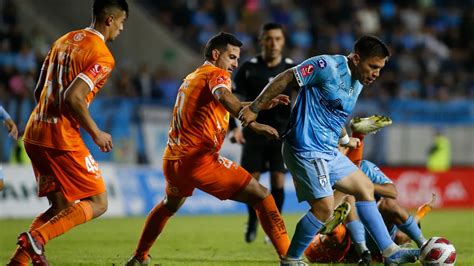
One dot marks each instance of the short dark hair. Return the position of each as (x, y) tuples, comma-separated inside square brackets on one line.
[(371, 46), (270, 26), (220, 42), (99, 7)]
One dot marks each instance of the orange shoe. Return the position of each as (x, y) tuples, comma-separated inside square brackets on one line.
[(34, 249)]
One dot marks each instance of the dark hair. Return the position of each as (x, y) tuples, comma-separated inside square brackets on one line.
[(220, 42), (99, 7), (270, 26), (371, 46)]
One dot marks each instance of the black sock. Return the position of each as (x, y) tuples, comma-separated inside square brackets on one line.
[(252, 216), (279, 196)]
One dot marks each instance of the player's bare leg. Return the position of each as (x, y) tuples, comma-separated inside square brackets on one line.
[(260, 198), (154, 224)]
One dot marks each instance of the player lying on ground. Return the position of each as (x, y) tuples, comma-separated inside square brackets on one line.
[(337, 247)]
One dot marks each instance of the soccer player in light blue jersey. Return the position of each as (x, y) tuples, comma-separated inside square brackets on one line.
[(12, 131), (328, 88)]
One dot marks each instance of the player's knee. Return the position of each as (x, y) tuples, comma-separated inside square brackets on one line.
[(365, 192), (99, 206)]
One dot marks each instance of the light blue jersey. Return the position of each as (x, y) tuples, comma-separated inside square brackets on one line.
[(374, 173), (327, 96)]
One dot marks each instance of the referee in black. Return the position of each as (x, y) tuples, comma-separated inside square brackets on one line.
[(260, 154)]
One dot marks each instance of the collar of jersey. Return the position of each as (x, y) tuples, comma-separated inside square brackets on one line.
[(347, 65), (96, 32)]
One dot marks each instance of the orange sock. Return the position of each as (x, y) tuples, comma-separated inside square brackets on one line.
[(425, 208), (20, 257), (155, 222), (68, 218), (273, 224), (355, 155)]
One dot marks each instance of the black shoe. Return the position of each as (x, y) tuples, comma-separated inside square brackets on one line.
[(251, 232), (365, 258)]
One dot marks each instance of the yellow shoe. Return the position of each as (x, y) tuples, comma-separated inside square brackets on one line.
[(339, 215), (371, 124)]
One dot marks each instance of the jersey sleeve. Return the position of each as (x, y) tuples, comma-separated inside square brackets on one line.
[(374, 173), (97, 71), (313, 71), (219, 78)]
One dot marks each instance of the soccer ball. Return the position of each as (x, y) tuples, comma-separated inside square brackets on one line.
[(437, 251)]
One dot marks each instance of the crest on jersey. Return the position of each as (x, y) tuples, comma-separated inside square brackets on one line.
[(306, 70), (78, 36), (322, 63), (323, 180)]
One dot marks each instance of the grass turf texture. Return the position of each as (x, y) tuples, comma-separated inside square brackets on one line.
[(202, 240)]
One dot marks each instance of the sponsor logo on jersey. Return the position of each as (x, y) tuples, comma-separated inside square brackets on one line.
[(221, 79), (95, 70), (322, 63), (306, 70)]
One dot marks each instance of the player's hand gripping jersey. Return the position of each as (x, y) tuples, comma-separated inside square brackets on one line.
[(199, 122), (78, 54)]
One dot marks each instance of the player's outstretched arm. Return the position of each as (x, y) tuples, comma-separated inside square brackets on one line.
[(11, 127), (275, 87), (264, 130), (230, 102), (75, 100)]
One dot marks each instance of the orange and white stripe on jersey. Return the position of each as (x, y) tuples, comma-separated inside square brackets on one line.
[(199, 122), (78, 54)]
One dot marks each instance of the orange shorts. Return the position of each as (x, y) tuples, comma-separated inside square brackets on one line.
[(210, 173), (74, 173)]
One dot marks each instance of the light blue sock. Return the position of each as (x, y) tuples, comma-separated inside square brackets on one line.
[(372, 220), (306, 229), (413, 231), (357, 231)]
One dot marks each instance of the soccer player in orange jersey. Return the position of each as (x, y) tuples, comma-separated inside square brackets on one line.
[(75, 69), (191, 159)]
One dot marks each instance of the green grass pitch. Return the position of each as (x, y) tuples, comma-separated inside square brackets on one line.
[(202, 240)]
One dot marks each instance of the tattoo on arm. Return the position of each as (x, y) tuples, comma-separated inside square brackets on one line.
[(228, 100), (275, 87)]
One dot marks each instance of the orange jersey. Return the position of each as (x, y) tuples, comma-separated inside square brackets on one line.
[(199, 122), (78, 54)]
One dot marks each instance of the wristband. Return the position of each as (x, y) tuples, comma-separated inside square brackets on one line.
[(344, 140)]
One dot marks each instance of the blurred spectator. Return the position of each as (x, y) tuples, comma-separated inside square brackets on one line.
[(439, 155)]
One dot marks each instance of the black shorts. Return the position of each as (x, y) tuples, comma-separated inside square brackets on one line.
[(262, 158)]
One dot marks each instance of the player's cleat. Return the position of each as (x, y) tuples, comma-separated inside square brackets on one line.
[(33, 248), (292, 262), (371, 124), (251, 231), (365, 258), (402, 256), (338, 216), (134, 261)]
